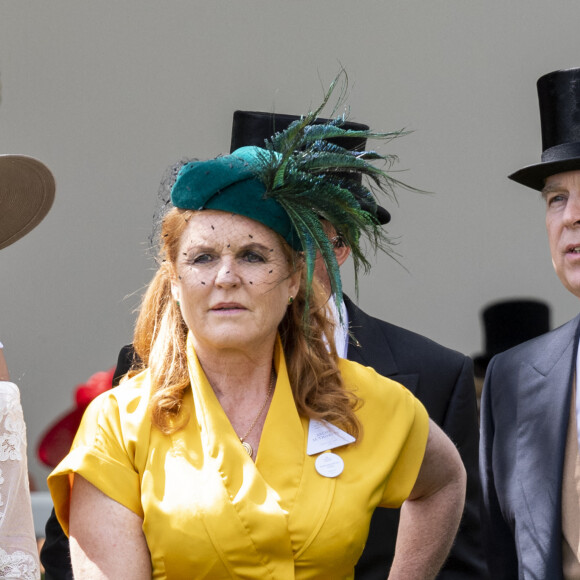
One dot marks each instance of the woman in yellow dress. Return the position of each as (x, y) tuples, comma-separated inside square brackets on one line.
[(243, 447)]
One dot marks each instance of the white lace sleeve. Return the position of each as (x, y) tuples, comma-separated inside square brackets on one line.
[(18, 550)]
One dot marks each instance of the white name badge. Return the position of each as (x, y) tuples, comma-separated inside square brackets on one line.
[(329, 464), (323, 436)]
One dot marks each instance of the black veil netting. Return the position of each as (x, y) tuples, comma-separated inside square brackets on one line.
[(163, 204)]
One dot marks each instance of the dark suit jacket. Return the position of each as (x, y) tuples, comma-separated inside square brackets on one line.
[(524, 419), (443, 380)]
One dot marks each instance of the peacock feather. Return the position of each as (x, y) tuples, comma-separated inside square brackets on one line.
[(312, 178)]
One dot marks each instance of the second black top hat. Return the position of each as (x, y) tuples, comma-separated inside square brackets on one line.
[(254, 127), (508, 323), (559, 99)]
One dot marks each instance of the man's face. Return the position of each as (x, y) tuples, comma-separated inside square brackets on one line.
[(340, 251), (562, 196)]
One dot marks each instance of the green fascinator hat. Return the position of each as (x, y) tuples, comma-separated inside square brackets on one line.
[(297, 181), (230, 183)]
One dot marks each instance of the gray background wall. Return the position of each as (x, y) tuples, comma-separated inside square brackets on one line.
[(109, 93)]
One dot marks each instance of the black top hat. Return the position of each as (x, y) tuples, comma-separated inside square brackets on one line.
[(509, 323), (559, 98), (254, 127)]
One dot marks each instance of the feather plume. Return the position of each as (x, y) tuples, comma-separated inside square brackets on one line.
[(312, 178)]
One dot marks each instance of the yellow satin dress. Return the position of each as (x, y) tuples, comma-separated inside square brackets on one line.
[(210, 512)]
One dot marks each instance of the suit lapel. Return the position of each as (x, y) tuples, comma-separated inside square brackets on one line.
[(544, 387), (369, 346)]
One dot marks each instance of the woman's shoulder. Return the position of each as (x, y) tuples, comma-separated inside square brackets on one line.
[(9, 400), (118, 421), (382, 398), (9, 390), (366, 381), (129, 399)]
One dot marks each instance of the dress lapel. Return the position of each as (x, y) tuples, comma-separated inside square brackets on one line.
[(252, 521), (304, 496), (272, 509), (280, 456)]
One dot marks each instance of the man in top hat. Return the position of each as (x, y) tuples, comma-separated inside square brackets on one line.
[(441, 378), (529, 463)]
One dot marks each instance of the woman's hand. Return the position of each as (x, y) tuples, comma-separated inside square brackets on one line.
[(106, 538), (431, 514)]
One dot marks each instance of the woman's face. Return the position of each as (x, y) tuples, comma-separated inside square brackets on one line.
[(233, 280)]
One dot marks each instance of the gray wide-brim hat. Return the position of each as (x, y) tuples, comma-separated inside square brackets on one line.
[(27, 190), (559, 100)]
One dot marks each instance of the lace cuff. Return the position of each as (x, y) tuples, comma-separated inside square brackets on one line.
[(18, 551), (18, 565)]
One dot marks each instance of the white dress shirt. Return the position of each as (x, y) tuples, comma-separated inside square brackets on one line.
[(340, 330)]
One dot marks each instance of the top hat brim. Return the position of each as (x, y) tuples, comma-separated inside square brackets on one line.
[(27, 190), (535, 176)]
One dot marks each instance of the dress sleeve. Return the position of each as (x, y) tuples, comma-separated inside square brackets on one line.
[(413, 431), (103, 452), (18, 549)]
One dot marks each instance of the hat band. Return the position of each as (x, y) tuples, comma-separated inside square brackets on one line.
[(561, 152)]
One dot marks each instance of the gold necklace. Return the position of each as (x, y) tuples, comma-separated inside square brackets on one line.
[(245, 444)]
